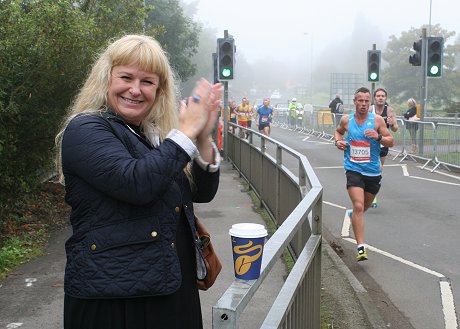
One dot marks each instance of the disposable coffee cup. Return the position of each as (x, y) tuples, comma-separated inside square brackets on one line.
[(247, 248)]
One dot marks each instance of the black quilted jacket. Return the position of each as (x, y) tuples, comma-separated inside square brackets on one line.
[(126, 199)]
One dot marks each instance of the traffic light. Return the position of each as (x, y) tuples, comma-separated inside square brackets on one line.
[(225, 58), (373, 65), (416, 59), (214, 68), (434, 56)]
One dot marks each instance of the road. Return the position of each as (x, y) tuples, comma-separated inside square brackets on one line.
[(412, 235), (412, 275)]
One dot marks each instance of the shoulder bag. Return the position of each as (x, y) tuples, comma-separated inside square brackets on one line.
[(208, 264)]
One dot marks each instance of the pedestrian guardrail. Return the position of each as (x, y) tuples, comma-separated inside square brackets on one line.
[(431, 141), (290, 191)]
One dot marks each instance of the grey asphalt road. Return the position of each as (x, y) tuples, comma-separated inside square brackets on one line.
[(412, 275), (413, 266)]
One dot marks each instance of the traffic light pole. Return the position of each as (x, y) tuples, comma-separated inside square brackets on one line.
[(423, 89), (225, 133), (225, 118), (374, 47)]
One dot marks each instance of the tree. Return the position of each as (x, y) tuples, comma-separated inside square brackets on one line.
[(177, 33), (111, 19), (403, 81), (43, 58)]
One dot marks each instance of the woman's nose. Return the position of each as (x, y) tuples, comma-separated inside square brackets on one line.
[(135, 89)]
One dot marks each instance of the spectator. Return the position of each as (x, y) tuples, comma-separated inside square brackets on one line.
[(336, 105), (133, 166), (411, 116)]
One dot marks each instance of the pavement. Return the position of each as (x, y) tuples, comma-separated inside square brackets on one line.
[(32, 296)]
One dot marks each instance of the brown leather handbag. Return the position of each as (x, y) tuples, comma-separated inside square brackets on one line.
[(208, 264)]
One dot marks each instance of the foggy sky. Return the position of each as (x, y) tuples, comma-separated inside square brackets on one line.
[(287, 29)]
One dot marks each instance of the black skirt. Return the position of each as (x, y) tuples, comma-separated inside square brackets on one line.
[(181, 310)]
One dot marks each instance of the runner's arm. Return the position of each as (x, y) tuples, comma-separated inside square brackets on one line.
[(381, 132)]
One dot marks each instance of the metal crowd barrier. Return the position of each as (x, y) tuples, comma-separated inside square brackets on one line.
[(293, 197), (431, 142), (447, 145)]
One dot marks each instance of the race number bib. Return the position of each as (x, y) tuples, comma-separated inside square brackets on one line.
[(264, 119), (360, 151)]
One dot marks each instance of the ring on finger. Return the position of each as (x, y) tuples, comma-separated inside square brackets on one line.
[(196, 98)]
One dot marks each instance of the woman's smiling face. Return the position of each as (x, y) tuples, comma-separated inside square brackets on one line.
[(132, 92)]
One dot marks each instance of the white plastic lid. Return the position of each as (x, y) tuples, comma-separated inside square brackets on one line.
[(248, 230)]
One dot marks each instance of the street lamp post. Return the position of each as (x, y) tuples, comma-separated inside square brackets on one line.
[(311, 68)]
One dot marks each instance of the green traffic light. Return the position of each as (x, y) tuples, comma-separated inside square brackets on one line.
[(226, 72), (373, 76), (434, 70)]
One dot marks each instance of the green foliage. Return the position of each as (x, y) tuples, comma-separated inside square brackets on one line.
[(111, 19), (16, 251), (46, 50), (43, 53), (403, 80), (177, 33)]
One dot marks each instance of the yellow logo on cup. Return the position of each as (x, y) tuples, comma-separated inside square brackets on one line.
[(243, 263)]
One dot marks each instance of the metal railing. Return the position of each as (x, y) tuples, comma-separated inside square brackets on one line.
[(290, 191), (430, 141)]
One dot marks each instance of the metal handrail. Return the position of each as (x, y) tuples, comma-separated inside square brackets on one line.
[(299, 230)]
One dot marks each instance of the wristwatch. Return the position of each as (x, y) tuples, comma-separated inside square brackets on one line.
[(379, 138)]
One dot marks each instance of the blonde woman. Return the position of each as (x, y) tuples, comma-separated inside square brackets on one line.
[(133, 163), (411, 116)]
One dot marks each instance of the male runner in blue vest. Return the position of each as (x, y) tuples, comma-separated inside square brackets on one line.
[(366, 131)]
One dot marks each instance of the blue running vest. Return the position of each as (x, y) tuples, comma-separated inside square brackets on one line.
[(362, 153)]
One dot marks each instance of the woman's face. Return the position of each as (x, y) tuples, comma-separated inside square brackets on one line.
[(132, 92)]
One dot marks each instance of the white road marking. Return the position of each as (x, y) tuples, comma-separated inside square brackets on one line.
[(405, 170), (401, 260), (435, 180), (14, 325), (448, 306), (331, 167), (346, 225), (447, 296), (30, 281), (334, 205), (406, 173)]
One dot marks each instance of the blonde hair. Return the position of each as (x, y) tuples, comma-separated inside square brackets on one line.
[(148, 55), (412, 102)]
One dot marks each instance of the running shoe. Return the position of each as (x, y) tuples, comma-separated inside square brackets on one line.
[(350, 213), (362, 254), (374, 203)]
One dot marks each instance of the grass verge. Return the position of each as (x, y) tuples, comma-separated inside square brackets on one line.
[(27, 226), (327, 317)]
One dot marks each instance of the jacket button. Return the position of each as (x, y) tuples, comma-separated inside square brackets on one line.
[(173, 245), (154, 234), (177, 209), (93, 246)]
